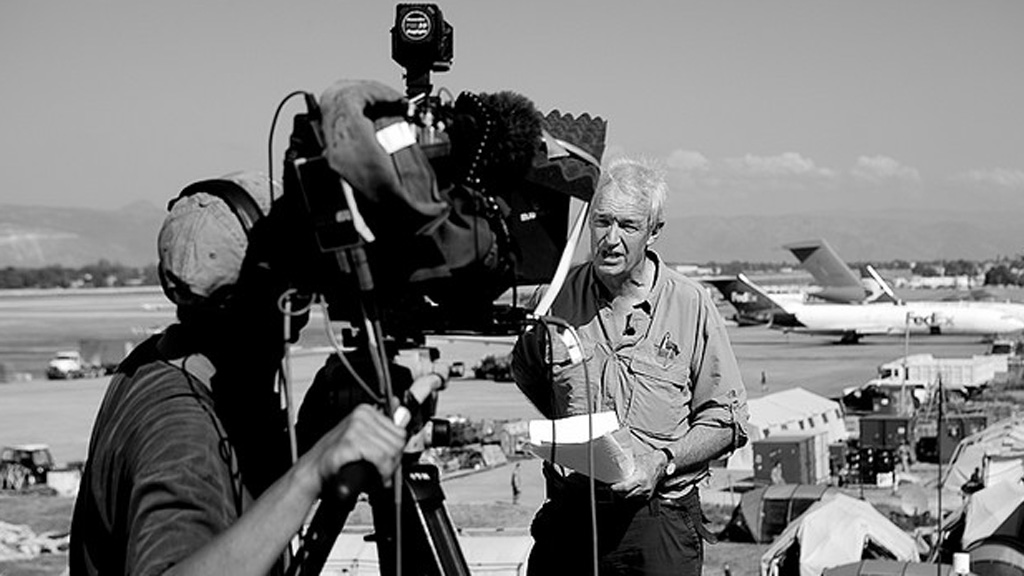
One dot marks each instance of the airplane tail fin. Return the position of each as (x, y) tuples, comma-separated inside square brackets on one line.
[(837, 281), (887, 294), (753, 305)]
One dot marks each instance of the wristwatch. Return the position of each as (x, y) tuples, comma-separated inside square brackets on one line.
[(670, 467)]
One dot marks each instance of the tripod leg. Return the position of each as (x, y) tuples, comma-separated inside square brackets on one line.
[(327, 523), (431, 545)]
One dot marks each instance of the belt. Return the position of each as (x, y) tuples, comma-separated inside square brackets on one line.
[(604, 495)]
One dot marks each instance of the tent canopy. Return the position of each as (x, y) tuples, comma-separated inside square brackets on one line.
[(989, 509), (833, 532), (1001, 443), (765, 512), (787, 409)]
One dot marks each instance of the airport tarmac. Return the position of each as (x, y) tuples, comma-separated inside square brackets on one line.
[(60, 413)]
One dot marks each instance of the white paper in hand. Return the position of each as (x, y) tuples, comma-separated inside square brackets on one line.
[(564, 442)]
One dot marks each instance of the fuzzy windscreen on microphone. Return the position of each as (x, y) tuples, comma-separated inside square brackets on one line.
[(494, 138)]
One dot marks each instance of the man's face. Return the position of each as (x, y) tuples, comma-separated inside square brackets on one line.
[(620, 232)]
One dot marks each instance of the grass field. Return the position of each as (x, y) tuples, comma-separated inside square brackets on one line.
[(60, 413)]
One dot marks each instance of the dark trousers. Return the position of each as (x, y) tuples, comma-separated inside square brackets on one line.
[(656, 537)]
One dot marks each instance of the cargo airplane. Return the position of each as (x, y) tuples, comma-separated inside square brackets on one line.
[(852, 322), (838, 283)]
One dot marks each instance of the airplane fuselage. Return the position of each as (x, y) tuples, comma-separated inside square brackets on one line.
[(895, 319)]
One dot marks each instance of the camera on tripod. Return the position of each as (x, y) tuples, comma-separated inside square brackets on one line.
[(422, 215)]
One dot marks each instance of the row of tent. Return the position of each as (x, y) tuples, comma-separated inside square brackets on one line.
[(819, 530)]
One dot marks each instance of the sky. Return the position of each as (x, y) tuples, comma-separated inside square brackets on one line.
[(750, 106)]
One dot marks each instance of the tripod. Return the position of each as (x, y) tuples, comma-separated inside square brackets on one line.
[(429, 545), (413, 531)]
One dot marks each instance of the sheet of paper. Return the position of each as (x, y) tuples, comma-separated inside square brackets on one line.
[(564, 442)]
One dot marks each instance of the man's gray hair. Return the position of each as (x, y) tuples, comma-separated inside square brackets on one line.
[(640, 179)]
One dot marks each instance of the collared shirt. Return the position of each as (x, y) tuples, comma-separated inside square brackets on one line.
[(669, 367)]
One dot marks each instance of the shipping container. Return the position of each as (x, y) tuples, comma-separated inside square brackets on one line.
[(956, 428), (938, 443), (786, 459), (885, 431)]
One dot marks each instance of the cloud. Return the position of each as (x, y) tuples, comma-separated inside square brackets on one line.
[(1001, 177), (749, 184), (782, 165), (881, 168), (688, 161)]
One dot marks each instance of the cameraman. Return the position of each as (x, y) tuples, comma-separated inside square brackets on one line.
[(657, 353), (190, 429)]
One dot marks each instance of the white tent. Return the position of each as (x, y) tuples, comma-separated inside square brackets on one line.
[(833, 532), (792, 411), (997, 452), (987, 509)]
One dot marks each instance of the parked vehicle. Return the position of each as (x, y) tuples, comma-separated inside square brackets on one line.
[(457, 370), (497, 368), (68, 364), (94, 357), (24, 465)]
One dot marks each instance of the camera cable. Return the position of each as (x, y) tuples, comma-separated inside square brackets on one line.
[(273, 125), (284, 382), (339, 352)]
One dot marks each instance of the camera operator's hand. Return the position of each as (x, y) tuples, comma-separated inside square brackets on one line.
[(365, 434), (254, 542)]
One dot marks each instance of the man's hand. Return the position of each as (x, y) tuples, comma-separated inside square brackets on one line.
[(365, 434), (648, 472)]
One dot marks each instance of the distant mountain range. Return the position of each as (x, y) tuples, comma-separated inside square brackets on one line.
[(33, 236), (860, 237)]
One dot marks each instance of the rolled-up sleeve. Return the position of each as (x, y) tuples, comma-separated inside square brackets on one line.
[(719, 397)]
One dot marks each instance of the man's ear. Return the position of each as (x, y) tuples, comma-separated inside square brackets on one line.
[(654, 233)]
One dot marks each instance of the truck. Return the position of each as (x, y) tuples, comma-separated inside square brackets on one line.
[(94, 357), (68, 364), (956, 373)]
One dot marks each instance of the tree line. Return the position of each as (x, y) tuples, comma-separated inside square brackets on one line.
[(1001, 271), (102, 274)]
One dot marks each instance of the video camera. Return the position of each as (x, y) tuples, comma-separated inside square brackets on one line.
[(449, 203)]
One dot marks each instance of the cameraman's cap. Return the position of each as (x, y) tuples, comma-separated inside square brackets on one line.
[(202, 242)]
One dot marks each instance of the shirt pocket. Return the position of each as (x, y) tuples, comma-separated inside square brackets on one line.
[(660, 398)]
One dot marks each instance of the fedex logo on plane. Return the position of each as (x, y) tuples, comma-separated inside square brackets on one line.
[(933, 319), (742, 297)]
